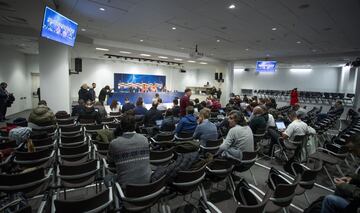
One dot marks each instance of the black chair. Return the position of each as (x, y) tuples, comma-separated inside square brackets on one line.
[(70, 130), (74, 154), (73, 140), (51, 130), (112, 126), (96, 203), (184, 136), (245, 164), (30, 183), (296, 146), (101, 149), (79, 175), (108, 120), (218, 170), (43, 158), (90, 129), (115, 115), (66, 122), (211, 146), (44, 143), (138, 197), (158, 157), (85, 122), (250, 207)]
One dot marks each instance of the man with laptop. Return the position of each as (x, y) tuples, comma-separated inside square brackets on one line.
[(296, 127)]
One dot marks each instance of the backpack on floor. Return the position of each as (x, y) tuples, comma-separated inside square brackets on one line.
[(315, 207)]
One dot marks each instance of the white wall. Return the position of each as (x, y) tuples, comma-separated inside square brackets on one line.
[(32, 63), (13, 71), (102, 73), (319, 79)]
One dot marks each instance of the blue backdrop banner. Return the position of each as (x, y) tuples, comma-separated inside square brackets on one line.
[(134, 83)]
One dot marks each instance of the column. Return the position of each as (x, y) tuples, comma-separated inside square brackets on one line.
[(228, 82), (357, 91), (54, 74)]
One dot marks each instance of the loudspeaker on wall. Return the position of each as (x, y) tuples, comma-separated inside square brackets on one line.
[(216, 76), (78, 64)]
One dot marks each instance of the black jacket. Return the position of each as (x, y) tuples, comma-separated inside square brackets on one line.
[(103, 93), (127, 107), (84, 94), (89, 114), (152, 116)]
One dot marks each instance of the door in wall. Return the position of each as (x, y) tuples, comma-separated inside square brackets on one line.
[(35, 84)]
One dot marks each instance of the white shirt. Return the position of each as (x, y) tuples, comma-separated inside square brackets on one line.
[(161, 107), (271, 121), (298, 127)]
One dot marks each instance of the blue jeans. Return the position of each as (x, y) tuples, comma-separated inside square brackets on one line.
[(333, 204)]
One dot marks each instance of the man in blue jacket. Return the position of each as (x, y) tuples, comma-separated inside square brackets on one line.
[(188, 123)]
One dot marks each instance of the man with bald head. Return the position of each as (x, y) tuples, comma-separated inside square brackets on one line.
[(258, 121)]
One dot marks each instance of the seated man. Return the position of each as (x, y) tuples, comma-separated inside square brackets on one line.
[(89, 113), (347, 196), (239, 138), (152, 116), (169, 122), (335, 110), (130, 153), (300, 111), (127, 106), (205, 130), (41, 116), (258, 121), (296, 127), (176, 108), (161, 106), (188, 122)]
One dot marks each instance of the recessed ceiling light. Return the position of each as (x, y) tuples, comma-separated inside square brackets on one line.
[(267, 55), (191, 61), (164, 57), (313, 50), (101, 49), (247, 49), (125, 52), (173, 28), (177, 59), (102, 9), (203, 63), (141, 40), (182, 48), (146, 55), (218, 40), (298, 42), (83, 29), (211, 53), (274, 28), (232, 6)]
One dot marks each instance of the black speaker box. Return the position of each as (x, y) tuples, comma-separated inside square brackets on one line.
[(247, 69), (182, 70), (216, 76), (78, 64), (220, 76)]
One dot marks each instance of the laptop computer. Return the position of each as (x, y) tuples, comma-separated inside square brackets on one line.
[(158, 122), (280, 125)]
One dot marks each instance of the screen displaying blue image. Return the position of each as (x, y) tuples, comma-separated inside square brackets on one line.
[(139, 83), (58, 28), (266, 66)]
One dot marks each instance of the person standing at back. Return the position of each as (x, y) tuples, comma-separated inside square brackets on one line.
[(92, 92), (185, 101), (4, 95), (103, 93), (84, 93), (294, 97), (130, 153)]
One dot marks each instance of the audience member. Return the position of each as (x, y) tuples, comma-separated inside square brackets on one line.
[(89, 113), (130, 153), (239, 138), (152, 115), (127, 106), (184, 101), (176, 108), (114, 106), (101, 109), (335, 110), (103, 93), (92, 92), (140, 109), (258, 120), (169, 122), (161, 106), (296, 127), (347, 196), (197, 104), (188, 122), (84, 93), (41, 116), (218, 94), (78, 108), (294, 97), (205, 130), (215, 104), (245, 99), (156, 98), (300, 111)]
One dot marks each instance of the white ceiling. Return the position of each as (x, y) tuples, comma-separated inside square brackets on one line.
[(329, 30)]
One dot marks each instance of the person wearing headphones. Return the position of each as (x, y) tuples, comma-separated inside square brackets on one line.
[(239, 138)]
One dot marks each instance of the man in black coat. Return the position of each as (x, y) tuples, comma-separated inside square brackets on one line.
[(103, 93), (4, 96), (84, 93), (127, 106)]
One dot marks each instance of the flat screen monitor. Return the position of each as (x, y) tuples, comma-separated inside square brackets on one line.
[(58, 28), (266, 66), (280, 125)]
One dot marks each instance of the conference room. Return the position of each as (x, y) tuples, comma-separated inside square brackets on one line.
[(179, 106)]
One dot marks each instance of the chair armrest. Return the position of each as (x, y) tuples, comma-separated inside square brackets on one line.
[(118, 188)]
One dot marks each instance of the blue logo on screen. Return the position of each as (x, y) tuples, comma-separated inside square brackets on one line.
[(58, 28), (266, 66)]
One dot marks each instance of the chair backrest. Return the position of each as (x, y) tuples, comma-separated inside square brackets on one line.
[(247, 161), (70, 129), (74, 150), (73, 140), (107, 120), (284, 193), (43, 143), (164, 136), (94, 127), (30, 156), (259, 208), (85, 122), (49, 129), (214, 143), (187, 181), (65, 122), (218, 169), (76, 170), (96, 203), (141, 190), (115, 114), (184, 136), (112, 125), (161, 156)]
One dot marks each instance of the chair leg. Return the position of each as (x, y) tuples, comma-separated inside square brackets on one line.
[(347, 163), (307, 198), (253, 176), (339, 170), (329, 176)]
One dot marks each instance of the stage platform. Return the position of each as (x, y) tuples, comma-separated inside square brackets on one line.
[(167, 97)]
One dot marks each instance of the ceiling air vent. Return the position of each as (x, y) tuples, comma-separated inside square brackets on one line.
[(14, 20), (6, 7)]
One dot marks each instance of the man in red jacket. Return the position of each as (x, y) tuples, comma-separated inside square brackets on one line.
[(185, 101)]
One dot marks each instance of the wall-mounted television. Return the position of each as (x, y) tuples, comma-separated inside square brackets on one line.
[(58, 28), (266, 66)]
